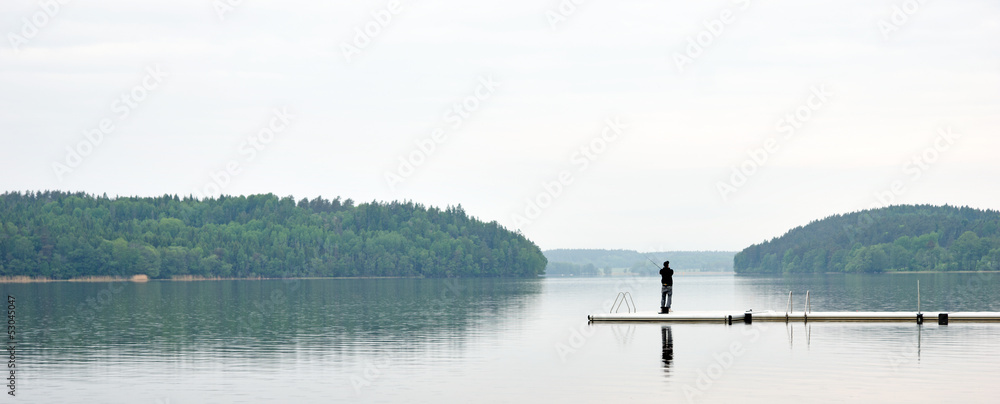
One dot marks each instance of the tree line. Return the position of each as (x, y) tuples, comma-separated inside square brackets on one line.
[(64, 235), (895, 238), (595, 262)]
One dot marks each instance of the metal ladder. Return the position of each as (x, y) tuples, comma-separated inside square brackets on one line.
[(805, 311), (623, 297)]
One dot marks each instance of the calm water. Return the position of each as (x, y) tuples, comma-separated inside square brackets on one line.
[(409, 340)]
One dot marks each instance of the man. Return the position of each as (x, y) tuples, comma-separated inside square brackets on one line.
[(667, 290)]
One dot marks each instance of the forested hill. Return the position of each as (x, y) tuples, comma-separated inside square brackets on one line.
[(896, 238), (63, 235)]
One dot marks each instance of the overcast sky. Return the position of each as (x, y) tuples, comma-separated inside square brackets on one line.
[(603, 124)]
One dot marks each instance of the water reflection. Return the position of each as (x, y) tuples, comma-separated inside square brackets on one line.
[(267, 320), (790, 331), (807, 329), (667, 336), (369, 341), (624, 334), (872, 292), (920, 332)]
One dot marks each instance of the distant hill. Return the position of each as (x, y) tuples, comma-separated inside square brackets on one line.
[(67, 235), (582, 262), (895, 238)]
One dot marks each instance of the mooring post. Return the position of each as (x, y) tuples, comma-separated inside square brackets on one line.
[(788, 307), (747, 318), (943, 318)]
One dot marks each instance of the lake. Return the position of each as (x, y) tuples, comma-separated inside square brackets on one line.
[(497, 340)]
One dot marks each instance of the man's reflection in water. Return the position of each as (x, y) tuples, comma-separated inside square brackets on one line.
[(668, 347)]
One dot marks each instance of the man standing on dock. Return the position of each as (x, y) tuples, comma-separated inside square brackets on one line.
[(667, 290)]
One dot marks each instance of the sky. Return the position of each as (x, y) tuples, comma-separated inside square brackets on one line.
[(634, 124)]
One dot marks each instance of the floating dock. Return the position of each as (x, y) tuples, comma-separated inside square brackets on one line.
[(729, 317)]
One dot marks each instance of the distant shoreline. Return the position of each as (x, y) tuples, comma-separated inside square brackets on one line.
[(143, 279), (645, 275)]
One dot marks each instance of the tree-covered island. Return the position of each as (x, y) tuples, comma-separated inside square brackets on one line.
[(63, 235), (895, 238)]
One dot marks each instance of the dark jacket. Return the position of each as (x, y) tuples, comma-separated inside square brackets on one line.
[(667, 276)]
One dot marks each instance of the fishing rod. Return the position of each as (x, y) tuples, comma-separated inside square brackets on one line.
[(650, 260)]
